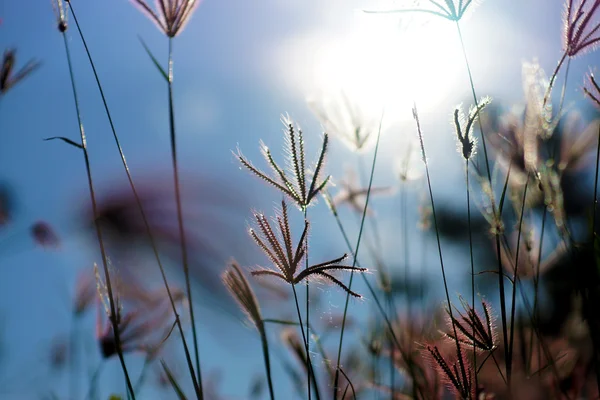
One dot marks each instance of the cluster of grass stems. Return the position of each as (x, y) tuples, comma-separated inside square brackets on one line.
[(471, 340)]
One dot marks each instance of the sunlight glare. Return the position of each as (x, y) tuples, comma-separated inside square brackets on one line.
[(378, 64)]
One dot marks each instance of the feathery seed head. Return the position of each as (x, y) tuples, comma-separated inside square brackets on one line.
[(581, 26), (172, 15), (8, 76), (60, 11), (452, 10), (461, 384), (464, 127), (293, 181), (408, 165), (355, 196), (277, 244), (144, 329), (239, 287), (344, 119), (471, 329), (593, 91)]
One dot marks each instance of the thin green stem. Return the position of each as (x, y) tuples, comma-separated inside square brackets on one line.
[(138, 201), (113, 310), (304, 337), (489, 176), (265, 348), (515, 282), (388, 323), (307, 342), (182, 236), (553, 79), (439, 245), (73, 351), (355, 253), (595, 203), (536, 280), (472, 264)]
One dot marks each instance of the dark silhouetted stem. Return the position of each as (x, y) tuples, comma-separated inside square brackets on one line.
[(184, 253), (489, 176), (439, 245), (355, 253), (113, 310), (137, 199), (514, 289), (304, 337), (307, 342), (472, 264), (265, 348)]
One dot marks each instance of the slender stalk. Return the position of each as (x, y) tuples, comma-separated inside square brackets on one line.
[(182, 236), (439, 245), (355, 252), (374, 296), (73, 350), (536, 281), (138, 201), (265, 348), (595, 203), (304, 337), (94, 381), (307, 342), (142, 377), (392, 354), (514, 289), (553, 79), (113, 310), (489, 176), (472, 264)]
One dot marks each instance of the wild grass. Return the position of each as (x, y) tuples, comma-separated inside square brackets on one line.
[(534, 334)]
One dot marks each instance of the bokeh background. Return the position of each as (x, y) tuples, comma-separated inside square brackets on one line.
[(238, 66)]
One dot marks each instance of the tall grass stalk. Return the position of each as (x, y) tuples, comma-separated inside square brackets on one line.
[(153, 244), (515, 274), (471, 259), (307, 337), (182, 236), (309, 365), (497, 237), (355, 257), (111, 297), (439, 244), (372, 292), (595, 200), (536, 281)]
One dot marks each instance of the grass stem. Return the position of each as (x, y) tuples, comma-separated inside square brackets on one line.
[(111, 297), (182, 236), (138, 201)]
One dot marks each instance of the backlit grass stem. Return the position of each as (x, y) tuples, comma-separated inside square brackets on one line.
[(113, 311), (182, 236), (355, 257), (137, 199)]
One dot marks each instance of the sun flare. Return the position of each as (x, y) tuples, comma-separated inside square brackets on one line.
[(381, 64)]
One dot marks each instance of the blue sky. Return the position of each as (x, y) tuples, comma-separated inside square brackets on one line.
[(238, 66)]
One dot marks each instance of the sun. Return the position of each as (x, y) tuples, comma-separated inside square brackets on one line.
[(380, 64)]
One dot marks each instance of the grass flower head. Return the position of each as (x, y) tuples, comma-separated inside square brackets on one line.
[(464, 127), (279, 249), (581, 26), (8, 76), (297, 187), (172, 15)]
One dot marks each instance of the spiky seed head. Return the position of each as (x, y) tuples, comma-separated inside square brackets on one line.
[(172, 15), (238, 286), (581, 26), (463, 126), (60, 12)]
